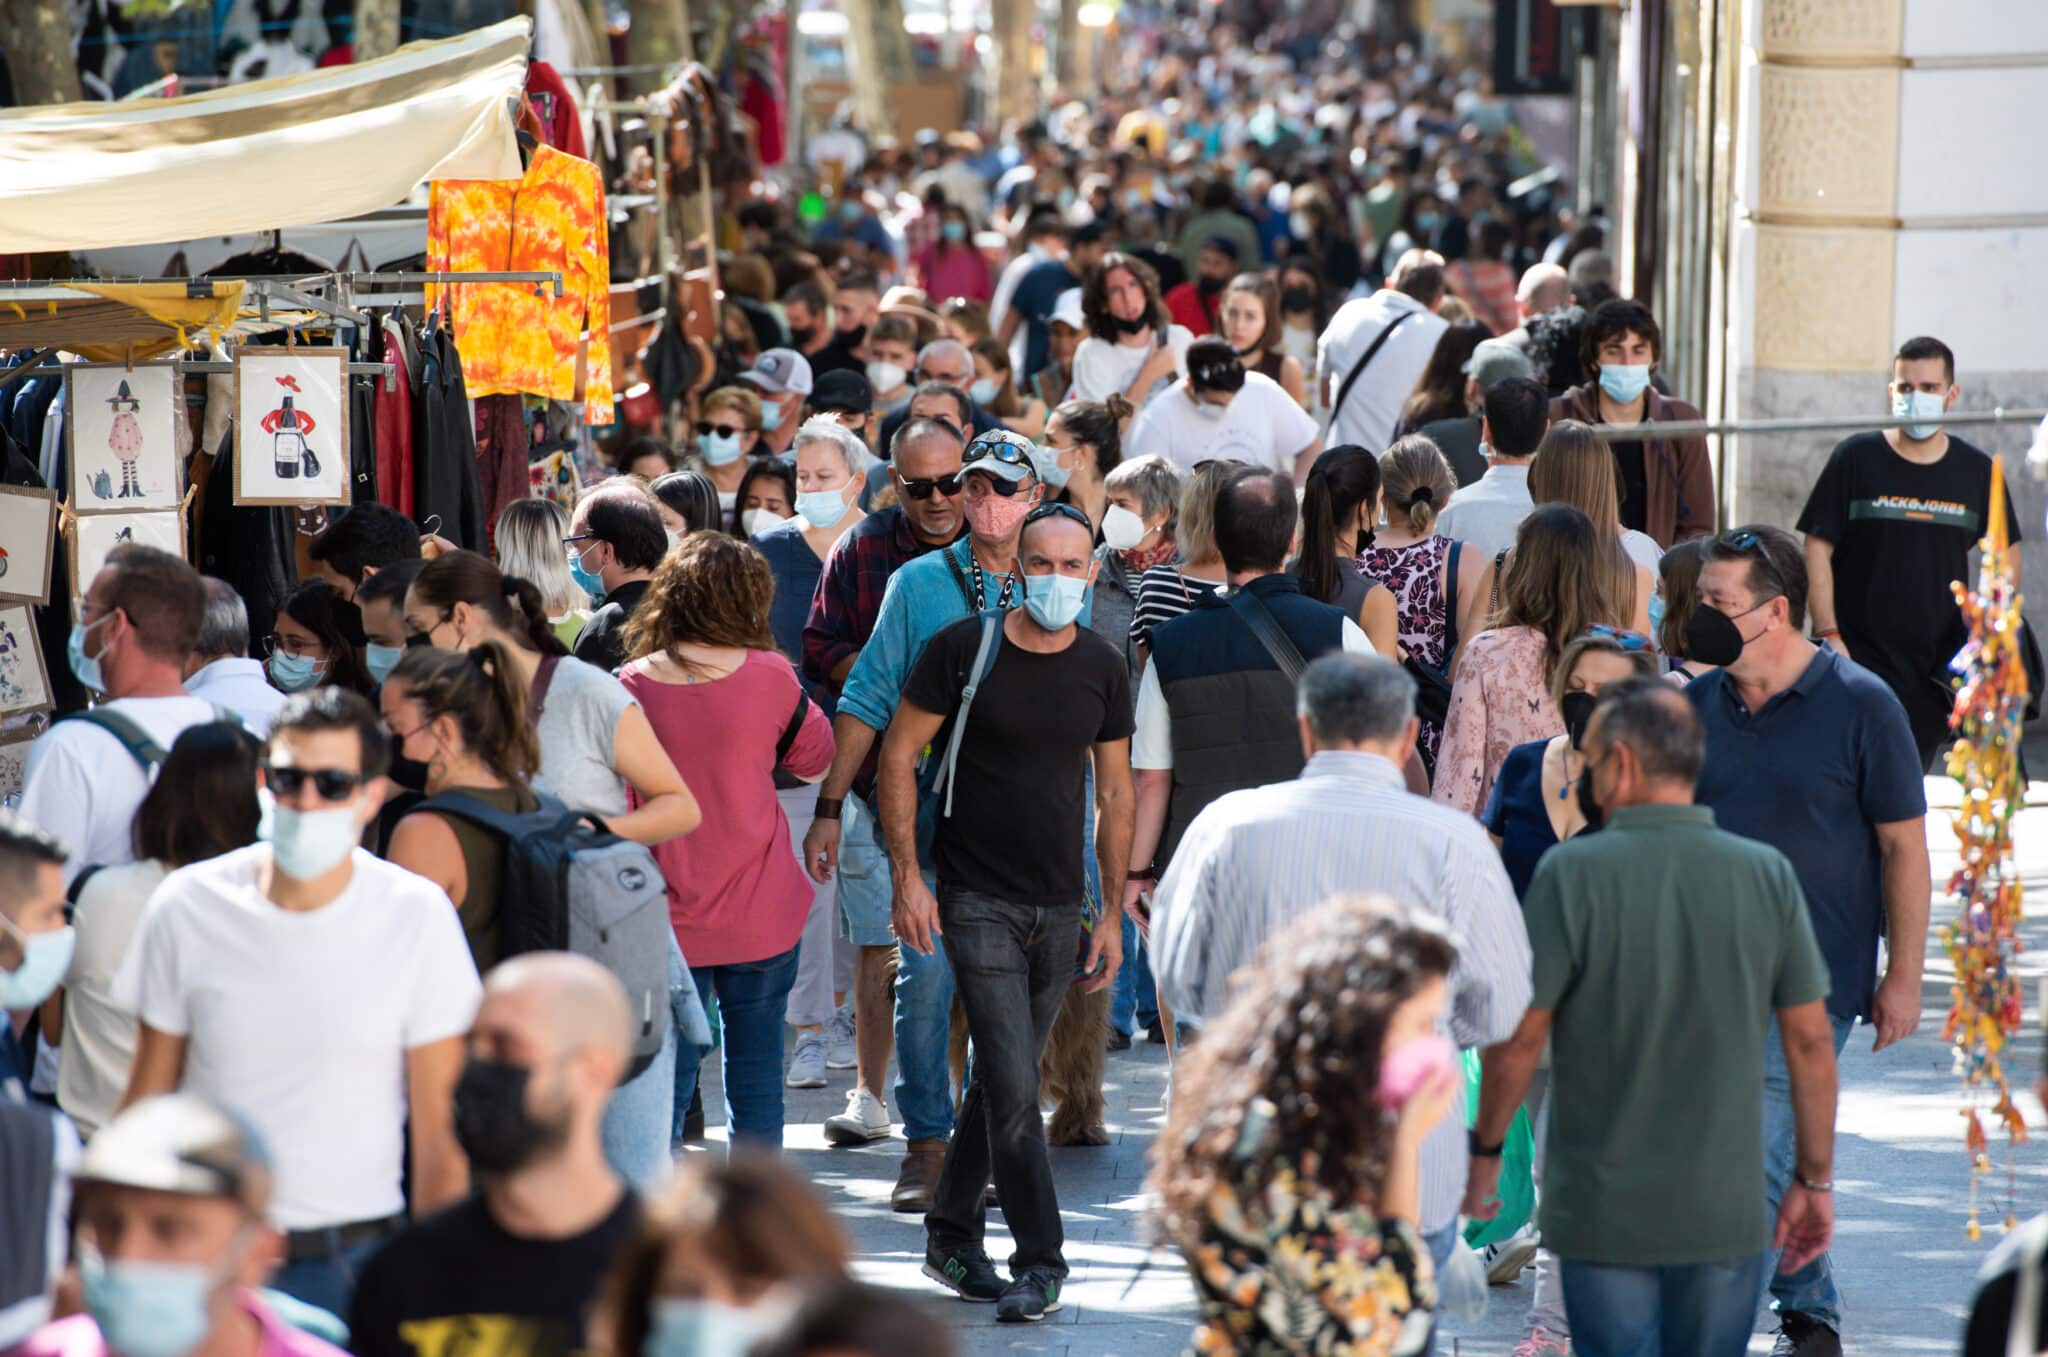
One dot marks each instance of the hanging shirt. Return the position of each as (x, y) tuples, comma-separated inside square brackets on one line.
[(550, 220)]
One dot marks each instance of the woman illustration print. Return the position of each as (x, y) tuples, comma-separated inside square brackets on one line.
[(291, 455), (124, 440)]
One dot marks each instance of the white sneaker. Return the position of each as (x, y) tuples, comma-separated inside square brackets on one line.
[(839, 1052), (864, 1119), (1504, 1261), (807, 1066)]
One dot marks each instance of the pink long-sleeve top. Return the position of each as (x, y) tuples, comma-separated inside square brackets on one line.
[(736, 892), (1500, 697)]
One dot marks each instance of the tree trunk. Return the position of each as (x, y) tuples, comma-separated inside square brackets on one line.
[(878, 59), (376, 28), (660, 35), (36, 35), (1016, 95)]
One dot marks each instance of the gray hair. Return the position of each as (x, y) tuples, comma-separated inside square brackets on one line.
[(828, 429), (1155, 481), (945, 348), (1658, 724), (1356, 699), (224, 626), (1592, 266)]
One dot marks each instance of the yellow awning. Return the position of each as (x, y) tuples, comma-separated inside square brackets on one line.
[(109, 322)]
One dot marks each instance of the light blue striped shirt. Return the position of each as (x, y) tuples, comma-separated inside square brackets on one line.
[(1254, 860)]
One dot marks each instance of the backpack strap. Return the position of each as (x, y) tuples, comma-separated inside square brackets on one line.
[(140, 744), (509, 823), (984, 655), (960, 577), (795, 726), (1371, 352), (543, 678), (1451, 602), (1266, 627)]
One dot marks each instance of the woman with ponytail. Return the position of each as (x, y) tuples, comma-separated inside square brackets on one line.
[(1338, 505)]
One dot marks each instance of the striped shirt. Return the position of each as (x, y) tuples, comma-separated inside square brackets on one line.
[(1163, 594), (1254, 860)]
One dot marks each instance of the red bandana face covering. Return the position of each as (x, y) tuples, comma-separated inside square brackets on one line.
[(1144, 558)]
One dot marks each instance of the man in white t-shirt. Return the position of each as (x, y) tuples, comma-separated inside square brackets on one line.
[(86, 775), (318, 991), (1405, 312), (1221, 413)]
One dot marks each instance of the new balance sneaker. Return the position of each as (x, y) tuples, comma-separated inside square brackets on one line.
[(807, 1066), (864, 1119), (839, 1051), (967, 1273), (1801, 1335), (1505, 1260), (1030, 1298)]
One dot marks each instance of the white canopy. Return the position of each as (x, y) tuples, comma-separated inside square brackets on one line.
[(303, 148)]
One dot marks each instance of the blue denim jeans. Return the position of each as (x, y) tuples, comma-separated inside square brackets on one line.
[(1135, 1004), (924, 1026), (328, 1283), (1811, 1290), (1700, 1310), (752, 996), (639, 1118)]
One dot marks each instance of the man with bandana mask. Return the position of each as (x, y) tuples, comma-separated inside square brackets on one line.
[(172, 1242), (265, 978), (513, 1266), (1812, 754)]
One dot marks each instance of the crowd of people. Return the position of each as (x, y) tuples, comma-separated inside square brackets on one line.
[(1201, 568)]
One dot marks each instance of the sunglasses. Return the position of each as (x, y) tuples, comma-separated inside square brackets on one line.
[(1627, 640), (705, 428), (1751, 545), (1057, 510), (925, 488), (332, 783)]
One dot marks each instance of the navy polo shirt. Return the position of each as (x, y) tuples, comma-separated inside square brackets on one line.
[(1813, 773)]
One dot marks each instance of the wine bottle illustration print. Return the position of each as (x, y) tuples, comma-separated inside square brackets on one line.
[(291, 455)]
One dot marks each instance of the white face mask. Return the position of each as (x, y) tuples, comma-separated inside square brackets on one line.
[(756, 521), (886, 376), (307, 843), (1122, 529)]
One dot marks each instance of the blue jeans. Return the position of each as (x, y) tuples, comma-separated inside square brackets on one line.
[(1135, 1003), (639, 1117), (924, 1027), (328, 1283), (1700, 1310), (1811, 1290), (752, 997)]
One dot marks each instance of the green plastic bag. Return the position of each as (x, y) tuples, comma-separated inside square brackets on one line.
[(1517, 1169)]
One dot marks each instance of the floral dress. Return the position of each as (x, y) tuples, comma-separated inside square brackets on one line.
[(1413, 573), (1501, 699), (1293, 1272)]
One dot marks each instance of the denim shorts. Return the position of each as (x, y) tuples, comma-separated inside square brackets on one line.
[(866, 896)]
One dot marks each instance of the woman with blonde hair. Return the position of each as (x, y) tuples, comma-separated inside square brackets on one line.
[(1167, 590), (529, 539), (729, 424), (1575, 466), (1554, 587)]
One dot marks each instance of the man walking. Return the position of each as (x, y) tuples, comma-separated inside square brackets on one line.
[(1461, 437), (1889, 526), (1255, 860), (1812, 755), (1029, 706), (1485, 514), (1375, 347), (522, 1256), (1662, 947)]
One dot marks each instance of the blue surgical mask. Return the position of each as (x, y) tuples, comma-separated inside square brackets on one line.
[(722, 449), (86, 668), (147, 1309), (295, 673), (592, 585), (1054, 600), (381, 660), (953, 231), (1049, 469), (1427, 222), (307, 843), (1921, 405), (1656, 613), (1624, 382), (702, 1328), (45, 957), (771, 416), (822, 508), (982, 391)]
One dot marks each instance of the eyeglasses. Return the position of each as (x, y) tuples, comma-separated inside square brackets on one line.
[(274, 643), (333, 784), (926, 487), (1627, 640), (705, 428), (1751, 544)]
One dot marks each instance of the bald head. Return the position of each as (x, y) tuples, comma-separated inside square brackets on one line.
[(1544, 287), (562, 1002)]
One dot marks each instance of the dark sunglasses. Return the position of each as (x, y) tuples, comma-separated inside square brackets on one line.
[(332, 783), (923, 489), (1000, 487), (1627, 640), (705, 428), (1009, 451), (1057, 510)]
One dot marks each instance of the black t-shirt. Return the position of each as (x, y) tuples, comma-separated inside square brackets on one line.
[(1016, 827), (1635, 482), (1902, 533), (836, 356), (456, 1282), (602, 641)]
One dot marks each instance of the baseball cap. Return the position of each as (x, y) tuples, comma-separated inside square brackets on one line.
[(841, 389), (780, 370), (180, 1142), (1006, 456), (1493, 361), (1066, 310)]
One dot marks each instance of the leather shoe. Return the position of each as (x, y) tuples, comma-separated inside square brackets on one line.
[(918, 1180)]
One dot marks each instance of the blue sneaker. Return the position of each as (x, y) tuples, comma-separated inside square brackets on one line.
[(1030, 1298)]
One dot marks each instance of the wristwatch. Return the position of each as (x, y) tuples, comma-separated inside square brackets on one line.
[(1478, 1149), (828, 807)]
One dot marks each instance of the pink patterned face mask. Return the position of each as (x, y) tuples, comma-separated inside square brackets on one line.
[(1409, 1067), (994, 517)]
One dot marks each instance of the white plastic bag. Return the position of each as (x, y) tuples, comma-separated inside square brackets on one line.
[(1461, 1289)]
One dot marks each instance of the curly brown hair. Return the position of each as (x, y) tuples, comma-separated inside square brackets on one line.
[(1300, 1043), (712, 590), (1095, 295)]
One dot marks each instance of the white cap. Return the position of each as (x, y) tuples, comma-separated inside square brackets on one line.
[(1066, 309), (780, 370)]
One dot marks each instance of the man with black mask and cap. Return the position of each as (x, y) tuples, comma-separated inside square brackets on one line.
[(513, 1267)]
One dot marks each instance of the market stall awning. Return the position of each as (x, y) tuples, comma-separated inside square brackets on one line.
[(304, 148), (109, 322)]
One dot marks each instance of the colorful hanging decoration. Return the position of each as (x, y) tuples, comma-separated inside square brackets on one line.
[(1983, 939)]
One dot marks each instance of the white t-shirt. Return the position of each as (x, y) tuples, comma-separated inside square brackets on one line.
[(1152, 743), (301, 1021), (1103, 369), (82, 785), (1373, 406), (1262, 426), (1642, 549), (99, 1031)]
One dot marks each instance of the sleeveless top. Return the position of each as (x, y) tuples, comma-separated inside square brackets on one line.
[(1269, 366), (483, 862)]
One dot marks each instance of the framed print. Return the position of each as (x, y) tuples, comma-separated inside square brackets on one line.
[(94, 535), (122, 428), (24, 683), (28, 543), (13, 768), (291, 426)]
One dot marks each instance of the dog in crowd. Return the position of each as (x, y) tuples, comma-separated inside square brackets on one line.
[(1070, 1071)]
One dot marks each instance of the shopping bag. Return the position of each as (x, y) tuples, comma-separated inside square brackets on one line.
[(1517, 1169)]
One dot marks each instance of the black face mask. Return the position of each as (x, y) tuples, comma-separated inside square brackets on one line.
[(1588, 807), (852, 338), (1131, 327), (491, 1121), (1297, 299), (1711, 636), (1577, 710), (1208, 286), (801, 336)]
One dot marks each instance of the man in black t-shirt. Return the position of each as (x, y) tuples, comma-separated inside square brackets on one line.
[(1008, 847), (1889, 526), (512, 1270)]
